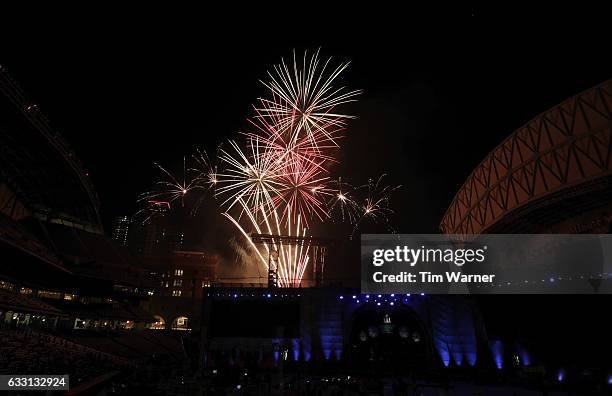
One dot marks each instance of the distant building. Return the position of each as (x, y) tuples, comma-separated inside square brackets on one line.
[(156, 234), (179, 280), (121, 227)]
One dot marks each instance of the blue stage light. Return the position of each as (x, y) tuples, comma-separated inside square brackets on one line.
[(561, 375)]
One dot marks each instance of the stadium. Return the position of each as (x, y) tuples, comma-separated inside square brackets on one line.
[(74, 300), (69, 295)]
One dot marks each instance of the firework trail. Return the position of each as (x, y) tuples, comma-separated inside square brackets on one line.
[(205, 169), (304, 99), (170, 187), (304, 192), (251, 178), (376, 206), (342, 205)]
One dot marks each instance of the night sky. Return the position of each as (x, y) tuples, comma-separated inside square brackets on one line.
[(141, 88), (127, 95)]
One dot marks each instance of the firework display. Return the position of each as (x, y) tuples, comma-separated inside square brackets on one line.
[(170, 187), (279, 182), (376, 205)]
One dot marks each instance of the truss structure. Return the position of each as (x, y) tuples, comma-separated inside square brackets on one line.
[(318, 246), (558, 151)]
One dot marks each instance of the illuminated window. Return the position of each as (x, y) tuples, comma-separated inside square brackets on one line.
[(79, 324), (25, 290), (159, 323), (180, 323), (167, 284), (49, 294), (178, 282), (176, 293), (178, 272), (206, 283)]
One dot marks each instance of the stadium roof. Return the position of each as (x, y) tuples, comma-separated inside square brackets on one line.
[(38, 166), (540, 169)]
